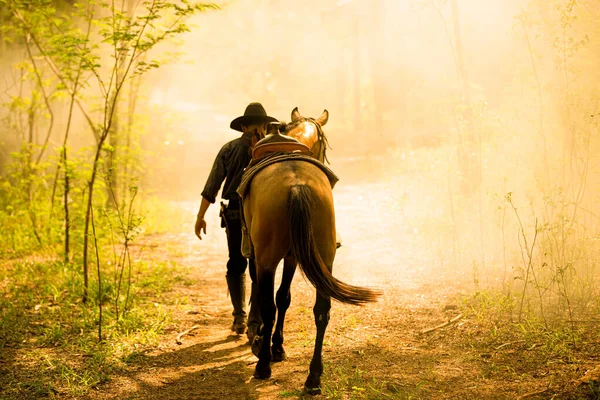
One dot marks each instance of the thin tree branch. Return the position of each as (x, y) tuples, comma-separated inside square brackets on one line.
[(56, 71), (99, 278), (44, 94)]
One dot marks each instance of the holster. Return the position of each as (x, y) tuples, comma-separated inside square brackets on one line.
[(222, 212), (229, 213)]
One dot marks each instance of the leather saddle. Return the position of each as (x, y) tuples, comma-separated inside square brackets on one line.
[(275, 143)]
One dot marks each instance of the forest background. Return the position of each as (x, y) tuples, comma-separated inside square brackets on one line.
[(111, 115)]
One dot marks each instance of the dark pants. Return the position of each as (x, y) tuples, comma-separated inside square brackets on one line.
[(233, 227)]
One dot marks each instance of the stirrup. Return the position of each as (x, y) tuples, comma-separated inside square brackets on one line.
[(246, 244)]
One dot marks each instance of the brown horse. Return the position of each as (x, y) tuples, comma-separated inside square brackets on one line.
[(289, 213)]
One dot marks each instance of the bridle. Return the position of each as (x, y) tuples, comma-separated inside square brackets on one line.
[(321, 139)]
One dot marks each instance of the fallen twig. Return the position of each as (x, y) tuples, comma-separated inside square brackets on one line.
[(178, 340), (589, 376), (508, 344), (408, 348), (435, 328), (531, 394)]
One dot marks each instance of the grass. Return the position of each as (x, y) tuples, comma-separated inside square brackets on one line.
[(493, 357), (494, 313), (532, 348), (48, 337), (348, 381)]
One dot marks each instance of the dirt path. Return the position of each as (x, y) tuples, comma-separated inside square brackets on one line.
[(377, 351), (212, 363)]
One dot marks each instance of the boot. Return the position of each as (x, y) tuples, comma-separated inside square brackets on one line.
[(237, 290), (254, 318)]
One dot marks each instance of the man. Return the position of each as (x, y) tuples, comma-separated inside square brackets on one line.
[(229, 166)]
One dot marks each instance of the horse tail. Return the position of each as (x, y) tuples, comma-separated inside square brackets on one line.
[(304, 249)]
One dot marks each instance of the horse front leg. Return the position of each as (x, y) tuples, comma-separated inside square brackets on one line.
[(266, 279), (283, 300), (321, 312)]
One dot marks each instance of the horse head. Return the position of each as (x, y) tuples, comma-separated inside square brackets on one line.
[(309, 131)]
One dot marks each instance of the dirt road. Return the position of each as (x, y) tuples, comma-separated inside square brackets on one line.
[(377, 351)]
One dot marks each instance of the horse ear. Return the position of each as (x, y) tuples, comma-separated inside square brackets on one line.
[(322, 120), (295, 115)]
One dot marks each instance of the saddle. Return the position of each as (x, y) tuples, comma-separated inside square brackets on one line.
[(276, 143)]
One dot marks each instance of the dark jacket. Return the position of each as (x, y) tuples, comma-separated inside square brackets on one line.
[(229, 166)]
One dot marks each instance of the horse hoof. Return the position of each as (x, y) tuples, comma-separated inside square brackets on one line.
[(312, 385), (262, 372), (256, 345), (278, 355), (252, 332)]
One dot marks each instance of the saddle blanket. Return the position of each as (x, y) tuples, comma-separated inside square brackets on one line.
[(256, 166)]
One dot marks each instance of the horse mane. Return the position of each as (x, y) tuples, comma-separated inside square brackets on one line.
[(288, 126)]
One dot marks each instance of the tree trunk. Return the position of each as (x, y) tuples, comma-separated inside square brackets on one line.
[(460, 64), (356, 77), (117, 130), (377, 49), (468, 142)]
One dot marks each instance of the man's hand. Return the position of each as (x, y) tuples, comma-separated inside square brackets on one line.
[(200, 222), (200, 226)]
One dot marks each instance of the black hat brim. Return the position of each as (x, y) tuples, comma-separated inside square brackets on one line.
[(237, 123)]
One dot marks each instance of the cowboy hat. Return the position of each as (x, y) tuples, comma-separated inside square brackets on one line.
[(254, 112)]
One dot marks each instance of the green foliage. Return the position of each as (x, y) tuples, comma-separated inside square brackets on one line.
[(550, 225), (24, 212), (43, 321), (555, 283), (350, 382), (77, 60)]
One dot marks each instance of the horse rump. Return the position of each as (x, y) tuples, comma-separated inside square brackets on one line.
[(304, 249)]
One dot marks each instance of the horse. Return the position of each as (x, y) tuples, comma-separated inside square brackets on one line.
[(289, 213)]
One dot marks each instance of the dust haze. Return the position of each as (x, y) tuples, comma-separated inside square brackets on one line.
[(427, 149), (440, 113)]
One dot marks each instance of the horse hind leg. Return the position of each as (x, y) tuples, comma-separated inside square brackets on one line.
[(321, 312), (283, 300), (266, 279)]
